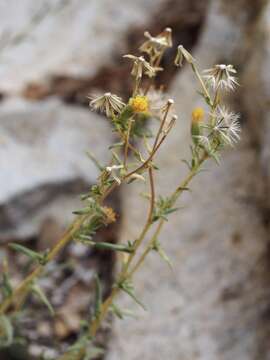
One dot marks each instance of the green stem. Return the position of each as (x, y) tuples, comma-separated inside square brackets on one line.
[(198, 75), (25, 284), (176, 194), (126, 274)]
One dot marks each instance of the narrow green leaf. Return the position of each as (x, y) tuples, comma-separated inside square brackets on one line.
[(186, 163), (126, 288), (6, 326), (170, 211), (86, 238), (117, 311), (6, 285), (116, 247), (183, 188), (39, 292), (83, 211), (93, 352), (95, 161), (30, 253), (163, 255), (121, 313), (116, 145), (116, 157), (215, 157)]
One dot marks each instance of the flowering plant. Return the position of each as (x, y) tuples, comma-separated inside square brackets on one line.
[(211, 130)]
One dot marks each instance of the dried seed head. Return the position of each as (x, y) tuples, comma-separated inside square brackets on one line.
[(139, 104), (155, 45), (110, 215), (181, 55), (141, 66), (227, 125), (221, 77), (169, 124), (157, 102), (108, 103)]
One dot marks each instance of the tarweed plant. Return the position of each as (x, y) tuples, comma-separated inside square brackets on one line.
[(213, 127)]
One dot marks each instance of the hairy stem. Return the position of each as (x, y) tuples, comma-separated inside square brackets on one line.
[(199, 77), (179, 190), (128, 273)]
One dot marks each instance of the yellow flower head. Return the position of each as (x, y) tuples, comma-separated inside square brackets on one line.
[(139, 104), (109, 214), (197, 115)]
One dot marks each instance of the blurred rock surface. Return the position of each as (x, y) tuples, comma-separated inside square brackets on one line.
[(44, 166), (212, 306), (256, 79), (68, 37)]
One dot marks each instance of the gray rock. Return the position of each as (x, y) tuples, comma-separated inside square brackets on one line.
[(68, 37), (256, 79), (212, 306), (43, 162)]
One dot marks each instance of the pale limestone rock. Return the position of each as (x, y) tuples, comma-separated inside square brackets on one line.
[(44, 166), (256, 100), (41, 38), (211, 307)]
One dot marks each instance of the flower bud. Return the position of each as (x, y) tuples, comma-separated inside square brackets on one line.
[(197, 118)]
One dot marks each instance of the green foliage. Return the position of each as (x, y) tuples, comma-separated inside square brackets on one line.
[(33, 255), (105, 245), (121, 313), (157, 247), (94, 221), (128, 288), (163, 208), (37, 290), (6, 286), (84, 343), (139, 128), (121, 121), (6, 331)]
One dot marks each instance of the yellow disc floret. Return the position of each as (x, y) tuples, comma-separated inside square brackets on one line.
[(139, 104), (197, 115)]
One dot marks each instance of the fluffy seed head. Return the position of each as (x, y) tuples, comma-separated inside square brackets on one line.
[(221, 77), (109, 103), (227, 125)]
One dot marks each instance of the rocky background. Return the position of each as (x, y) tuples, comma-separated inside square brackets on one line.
[(215, 303)]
